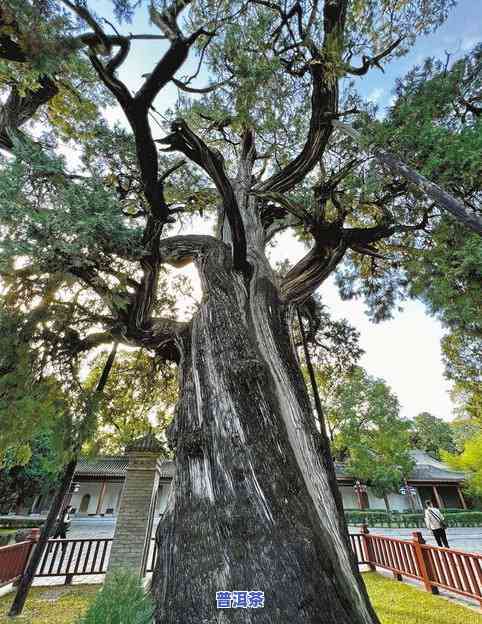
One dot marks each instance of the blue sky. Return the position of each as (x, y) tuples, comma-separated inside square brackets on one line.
[(406, 350)]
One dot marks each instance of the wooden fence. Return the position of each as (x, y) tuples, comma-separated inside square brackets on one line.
[(435, 567), (455, 570), (13, 559), (71, 557)]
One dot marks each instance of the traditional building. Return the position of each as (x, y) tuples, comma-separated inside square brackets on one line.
[(429, 479), (100, 482)]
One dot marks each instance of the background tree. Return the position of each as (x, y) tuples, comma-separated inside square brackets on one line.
[(138, 398), (29, 470), (367, 432), (431, 434), (470, 462), (253, 472)]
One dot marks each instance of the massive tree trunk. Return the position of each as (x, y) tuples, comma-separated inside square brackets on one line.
[(254, 503)]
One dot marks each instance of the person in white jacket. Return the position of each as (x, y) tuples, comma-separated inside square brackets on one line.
[(434, 521)]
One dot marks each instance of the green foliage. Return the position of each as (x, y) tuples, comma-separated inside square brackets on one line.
[(455, 518), (367, 432), (36, 472), (432, 130), (139, 398), (247, 49), (469, 461), (28, 401), (122, 599), (20, 523), (447, 276), (431, 434), (461, 353), (65, 224), (48, 39)]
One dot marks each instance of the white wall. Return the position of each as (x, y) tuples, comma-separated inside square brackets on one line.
[(111, 497), (349, 497), (87, 487), (398, 502), (375, 502), (163, 495)]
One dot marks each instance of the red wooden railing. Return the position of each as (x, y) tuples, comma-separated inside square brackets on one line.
[(445, 568), (454, 570), (13, 559)]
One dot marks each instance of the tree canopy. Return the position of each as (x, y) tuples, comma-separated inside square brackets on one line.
[(138, 398), (366, 430), (90, 227), (431, 434), (23, 478), (250, 149)]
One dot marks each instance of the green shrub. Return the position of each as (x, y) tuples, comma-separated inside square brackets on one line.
[(411, 520), (122, 600), (464, 519), (6, 537), (20, 523)]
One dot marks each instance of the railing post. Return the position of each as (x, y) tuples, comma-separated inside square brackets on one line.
[(423, 561), (367, 546), (33, 539)]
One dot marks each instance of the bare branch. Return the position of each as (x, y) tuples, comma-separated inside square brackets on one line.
[(298, 211), (19, 109), (184, 87), (184, 140), (172, 169), (444, 200), (373, 61), (311, 271), (324, 103)]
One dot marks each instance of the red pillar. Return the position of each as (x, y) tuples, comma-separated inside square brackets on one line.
[(462, 499), (438, 498)]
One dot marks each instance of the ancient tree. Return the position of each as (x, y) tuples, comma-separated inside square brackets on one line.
[(254, 502)]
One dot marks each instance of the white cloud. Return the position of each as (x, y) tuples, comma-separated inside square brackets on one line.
[(404, 351), (375, 95)]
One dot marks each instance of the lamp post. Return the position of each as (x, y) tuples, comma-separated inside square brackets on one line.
[(73, 489), (360, 489), (408, 490)]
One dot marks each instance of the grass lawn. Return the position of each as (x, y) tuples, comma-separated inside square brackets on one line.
[(50, 605), (395, 603), (6, 536), (399, 603)]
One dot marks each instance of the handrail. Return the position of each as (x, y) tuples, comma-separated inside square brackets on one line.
[(13, 559), (436, 567)]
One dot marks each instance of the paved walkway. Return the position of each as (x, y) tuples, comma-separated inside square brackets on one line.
[(464, 538), (467, 538)]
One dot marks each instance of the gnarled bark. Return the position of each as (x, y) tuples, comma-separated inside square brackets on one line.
[(253, 502)]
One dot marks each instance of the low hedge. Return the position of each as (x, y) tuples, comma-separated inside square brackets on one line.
[(411, 520), (20, 523)]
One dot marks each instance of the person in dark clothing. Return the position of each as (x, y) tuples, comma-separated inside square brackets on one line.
[(434, 521), (63, 525)]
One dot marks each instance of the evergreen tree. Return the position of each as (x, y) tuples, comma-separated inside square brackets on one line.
[(259, 155), (431, 434), (367, 431)]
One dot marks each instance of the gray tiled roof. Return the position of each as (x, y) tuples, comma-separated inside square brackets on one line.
[(111, 466), (148, 442), (114, 466), (426, 468), (432, 473)]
